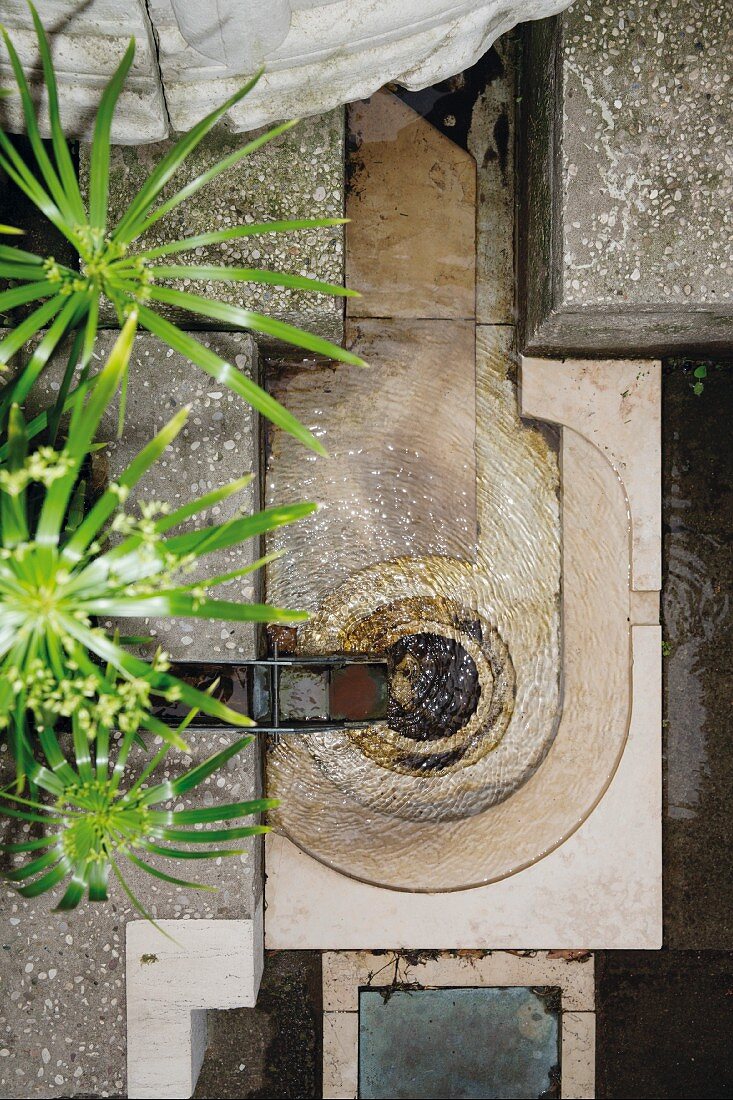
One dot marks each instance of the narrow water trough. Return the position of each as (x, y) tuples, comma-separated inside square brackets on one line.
[(463, 542)]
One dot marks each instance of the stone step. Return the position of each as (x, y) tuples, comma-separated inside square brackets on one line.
[(625, 236)]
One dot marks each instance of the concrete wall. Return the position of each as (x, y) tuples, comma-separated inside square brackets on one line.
[(625, 223)]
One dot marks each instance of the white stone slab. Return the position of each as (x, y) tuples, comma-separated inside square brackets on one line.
[(602, 888), (578, 1055), (616, 405), (170, 981), (597, 881), (341, 1054), (345, 971)]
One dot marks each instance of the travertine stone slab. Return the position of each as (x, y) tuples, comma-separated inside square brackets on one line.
[(412, 201), (628, 869), (601, 888), (578, 1055), (340, 1054), (616, 404), (171, 982), (644, 607), (344, 972)]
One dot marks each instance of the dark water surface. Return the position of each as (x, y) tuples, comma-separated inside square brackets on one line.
[(697, 606), (665, 1018)]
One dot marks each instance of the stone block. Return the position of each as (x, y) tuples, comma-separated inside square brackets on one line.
[(625, 227), (206, 964), (88, 42)]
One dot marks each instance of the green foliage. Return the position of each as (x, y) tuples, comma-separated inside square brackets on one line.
[(92, 825), (61, 569), (62, 566), (67, 563), (112, 263), (700, 373)]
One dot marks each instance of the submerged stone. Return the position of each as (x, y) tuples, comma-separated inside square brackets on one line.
[(482, 1043)]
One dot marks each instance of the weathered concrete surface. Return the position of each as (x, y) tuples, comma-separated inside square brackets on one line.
[(217, 445), (298, 175), (626, 230), (62, 975)]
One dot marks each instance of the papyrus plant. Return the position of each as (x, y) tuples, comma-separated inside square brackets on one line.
[(114, 265), (94, 822), (65, 568)]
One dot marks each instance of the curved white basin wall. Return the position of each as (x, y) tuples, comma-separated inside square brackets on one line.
[(446, 514), (346, 800), (583, 834)]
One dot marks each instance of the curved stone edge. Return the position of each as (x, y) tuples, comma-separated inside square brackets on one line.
[(602, 887), (616, 405), (206, 964), (592, 727), (591, 731)]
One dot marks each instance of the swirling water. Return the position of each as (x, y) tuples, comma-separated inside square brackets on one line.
[(465, 606)]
